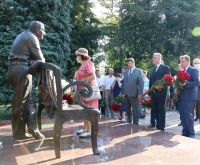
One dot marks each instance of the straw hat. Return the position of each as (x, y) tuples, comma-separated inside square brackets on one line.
[(82, 51)]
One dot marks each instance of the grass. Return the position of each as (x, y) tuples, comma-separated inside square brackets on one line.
[(6, 115)]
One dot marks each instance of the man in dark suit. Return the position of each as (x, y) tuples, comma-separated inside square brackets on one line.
[(159, 97), (188, 96), (132, 88), (196, 64)]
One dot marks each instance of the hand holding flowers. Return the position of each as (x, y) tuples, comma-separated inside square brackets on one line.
[(180, 82), (160, 84), (159, 87)]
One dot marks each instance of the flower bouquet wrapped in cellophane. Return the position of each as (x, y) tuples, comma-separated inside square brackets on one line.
[(117, 103)]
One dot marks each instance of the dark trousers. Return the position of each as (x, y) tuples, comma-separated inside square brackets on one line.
[(198, 108), (102, 109), (158, 113), (187, 119), (176, 106), (132, 109), (23, 104)]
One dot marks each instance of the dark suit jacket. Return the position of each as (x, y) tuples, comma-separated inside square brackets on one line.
[(190, 91), (161, 71)]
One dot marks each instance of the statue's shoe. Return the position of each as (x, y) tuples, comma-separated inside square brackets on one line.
[(22, 137), (36, 134)]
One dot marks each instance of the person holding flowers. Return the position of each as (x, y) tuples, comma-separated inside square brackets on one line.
[(188, 94), (116, 86), (196, 64), (158, 92)]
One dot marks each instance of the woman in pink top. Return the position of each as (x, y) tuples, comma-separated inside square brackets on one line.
[(86, 73)]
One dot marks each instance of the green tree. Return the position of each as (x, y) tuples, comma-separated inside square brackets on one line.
[(150, 26), (180, 18), (85, 33), (15, 18), (135, 26)]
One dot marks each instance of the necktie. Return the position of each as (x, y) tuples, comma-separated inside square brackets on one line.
[(129, 73), (154, 69)]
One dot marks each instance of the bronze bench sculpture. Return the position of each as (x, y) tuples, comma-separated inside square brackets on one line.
[(64, 113)]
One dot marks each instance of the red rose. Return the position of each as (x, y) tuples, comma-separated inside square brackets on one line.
[(115, 107), (183, 75), (146, 103), (169, 79), (68, 98)]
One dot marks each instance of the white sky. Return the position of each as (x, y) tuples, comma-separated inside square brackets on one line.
[(98, 10)]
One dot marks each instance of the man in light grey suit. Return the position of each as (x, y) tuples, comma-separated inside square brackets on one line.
[(132, 89)]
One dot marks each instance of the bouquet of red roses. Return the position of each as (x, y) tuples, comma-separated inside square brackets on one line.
[(182, 77), (165, 81), (146, 103), (116, 107), (175, 97), (103, 104), (69, 98), (117, 103)]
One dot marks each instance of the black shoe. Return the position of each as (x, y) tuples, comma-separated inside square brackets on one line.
[(22, 137), (191, 136), (151, 126), (36, 134), (142, 117), (185, 135), (196, 119), (180, 124)]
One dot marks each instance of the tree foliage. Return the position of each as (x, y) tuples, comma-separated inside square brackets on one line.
[(85, 32), (150, 26), (15, 18)]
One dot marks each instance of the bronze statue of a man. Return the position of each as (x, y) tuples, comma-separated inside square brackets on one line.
[(24, 50)]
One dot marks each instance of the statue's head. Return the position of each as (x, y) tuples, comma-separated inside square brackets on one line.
[(38, 29)]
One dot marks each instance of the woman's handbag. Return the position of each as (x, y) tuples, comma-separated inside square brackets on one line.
[(96, 95)]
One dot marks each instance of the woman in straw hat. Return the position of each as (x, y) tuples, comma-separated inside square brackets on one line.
[(86, 73)]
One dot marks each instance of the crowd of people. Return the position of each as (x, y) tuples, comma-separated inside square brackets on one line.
[(133, 82)]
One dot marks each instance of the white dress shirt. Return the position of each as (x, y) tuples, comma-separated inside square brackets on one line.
[(199, 76), (157, 66), (108, 81), (131, 70), (100, 82), (187, 67)]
